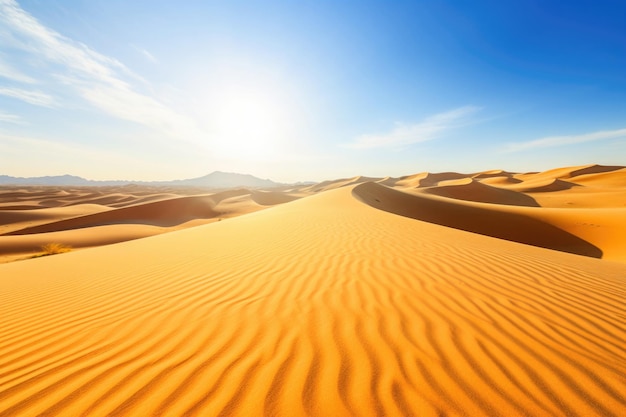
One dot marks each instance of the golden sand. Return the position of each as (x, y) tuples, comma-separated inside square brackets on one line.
[(346, 302)]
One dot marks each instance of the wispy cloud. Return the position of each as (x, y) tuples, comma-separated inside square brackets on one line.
[(101, 80), (145, 53), (9, 72), (9, 118), (405, 134), (551, 141), (32, 97)]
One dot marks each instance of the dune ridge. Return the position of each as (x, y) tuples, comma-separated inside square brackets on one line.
[(353, 311), (483, 219)]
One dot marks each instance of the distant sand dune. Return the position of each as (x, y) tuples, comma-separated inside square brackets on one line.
[(499, 180), (112, 218), (164, 213), (324, 306), (431, 179), (603, 179), (159, 213), (595, 169), (486, 220), (542, 186), (334, 184), (46, 215), (410, 181), (471, 190), (269, 198), (494, 173)]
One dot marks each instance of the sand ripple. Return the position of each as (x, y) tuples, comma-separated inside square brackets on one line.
[(320, 307)]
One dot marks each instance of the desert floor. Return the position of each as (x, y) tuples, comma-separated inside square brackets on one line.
[(493, 293)]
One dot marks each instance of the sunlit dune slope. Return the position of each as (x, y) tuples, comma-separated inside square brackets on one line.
[(605, 179), (325, 306), (75, 238)]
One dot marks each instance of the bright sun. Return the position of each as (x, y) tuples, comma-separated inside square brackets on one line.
[(249, 125)]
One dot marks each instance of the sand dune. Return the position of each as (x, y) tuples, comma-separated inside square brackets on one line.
[(494, 173), (17, 219), (471, 190), (603, 179), (409, 181), (11, 246), (542, 185), (433, 179), (160, 213), (94, 216), (594, 169), (372, 296), (324, 306), (501, 180), (334, 184), (489, 220)]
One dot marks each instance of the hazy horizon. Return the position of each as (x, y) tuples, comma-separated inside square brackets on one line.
[(308, 92)]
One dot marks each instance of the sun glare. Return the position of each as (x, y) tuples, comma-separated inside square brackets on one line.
[(249, 125)]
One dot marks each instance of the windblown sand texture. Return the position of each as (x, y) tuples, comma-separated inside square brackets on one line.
[(368, 298)]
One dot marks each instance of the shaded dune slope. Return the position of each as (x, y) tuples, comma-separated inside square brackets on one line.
[(595, 169), (271, 198), (471, 190), (161, 213), (354, 311), (433, 179), (484, 220), (543, 186), (8, 217)]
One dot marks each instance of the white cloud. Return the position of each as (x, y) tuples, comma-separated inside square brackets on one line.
[(101, 80), (32, 97), (9, 118), (565, 140), (7, 71), (145, 53), (406, 134)]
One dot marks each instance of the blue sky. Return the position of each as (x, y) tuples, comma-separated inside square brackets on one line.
[(309, 90)]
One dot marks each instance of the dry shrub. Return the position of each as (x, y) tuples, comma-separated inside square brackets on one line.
[(54, 248)]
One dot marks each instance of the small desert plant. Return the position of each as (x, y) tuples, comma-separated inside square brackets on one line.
[(53, 249)]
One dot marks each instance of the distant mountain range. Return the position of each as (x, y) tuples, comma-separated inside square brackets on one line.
[(216, 179)]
